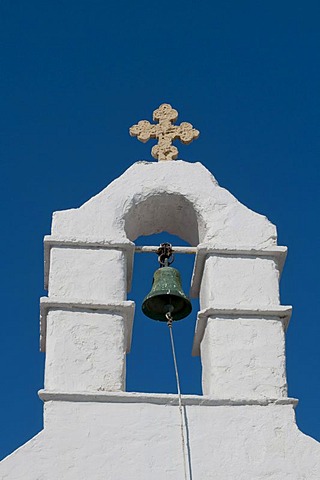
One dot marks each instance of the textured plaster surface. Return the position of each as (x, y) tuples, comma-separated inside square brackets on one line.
[(85, 351), (125, 309), (136, 204), (88, 274), (239, 281), (142, 441), (244, 358), (204, 252)]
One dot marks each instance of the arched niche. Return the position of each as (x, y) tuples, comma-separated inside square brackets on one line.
[(163, 212)]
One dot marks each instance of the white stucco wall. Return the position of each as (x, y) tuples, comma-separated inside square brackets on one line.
[(238, 280), (85, 273), (121, 440), (244, 358), (138, 203), (90, 249), (241, 356), (85, 351), (243, 427)]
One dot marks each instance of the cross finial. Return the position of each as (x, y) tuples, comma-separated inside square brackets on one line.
[(165, 132)]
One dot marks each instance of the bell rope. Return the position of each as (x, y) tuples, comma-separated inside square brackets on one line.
[(169, 323)]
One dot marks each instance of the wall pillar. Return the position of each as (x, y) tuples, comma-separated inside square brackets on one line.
[(240, 331), (86, 321)]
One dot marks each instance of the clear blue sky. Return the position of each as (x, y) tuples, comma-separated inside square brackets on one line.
[(74, 76)]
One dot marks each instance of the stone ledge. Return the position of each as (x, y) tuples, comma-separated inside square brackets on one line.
[(277, 312), (159, 399), (277, 253), (125, 308)]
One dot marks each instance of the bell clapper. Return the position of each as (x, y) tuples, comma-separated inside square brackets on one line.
[(168, 315), (170, 319)]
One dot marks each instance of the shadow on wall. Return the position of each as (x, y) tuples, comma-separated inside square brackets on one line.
[(150, 364)]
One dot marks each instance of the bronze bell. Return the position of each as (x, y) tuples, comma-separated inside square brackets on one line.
[(166, 296)]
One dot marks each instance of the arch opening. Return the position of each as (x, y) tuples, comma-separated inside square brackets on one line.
[(150, 365)]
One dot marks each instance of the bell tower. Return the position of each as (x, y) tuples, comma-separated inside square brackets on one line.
[(243, 426)]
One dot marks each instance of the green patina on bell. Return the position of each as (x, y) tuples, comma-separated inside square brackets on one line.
[(166, 296)]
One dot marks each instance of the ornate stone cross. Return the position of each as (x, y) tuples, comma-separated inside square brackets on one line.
[(165, 132)]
